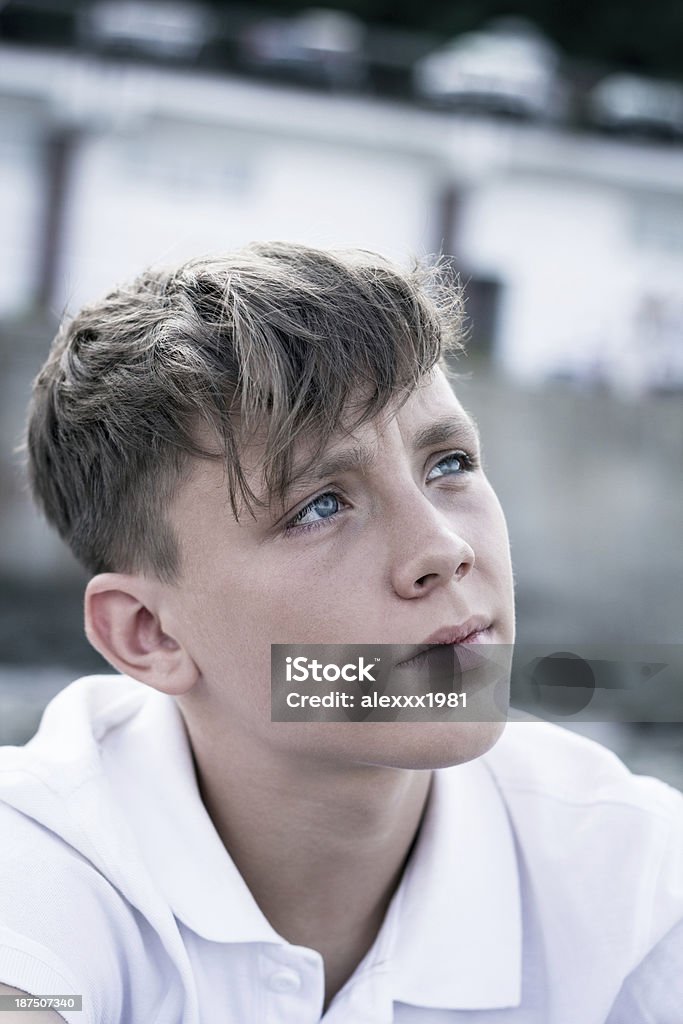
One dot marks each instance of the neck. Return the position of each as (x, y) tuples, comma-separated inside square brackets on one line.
[(321, 847)]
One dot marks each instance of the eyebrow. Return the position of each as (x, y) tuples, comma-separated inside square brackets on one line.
[(360, 457)]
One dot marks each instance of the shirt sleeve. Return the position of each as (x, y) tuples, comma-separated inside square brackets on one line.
[(60, 922), (653, 992), (37, 971)]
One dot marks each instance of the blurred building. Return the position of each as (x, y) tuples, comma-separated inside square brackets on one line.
[(566, 239)]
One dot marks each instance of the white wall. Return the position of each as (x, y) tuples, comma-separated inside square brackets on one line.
[(583, 233), (175, 189), (557, 244)]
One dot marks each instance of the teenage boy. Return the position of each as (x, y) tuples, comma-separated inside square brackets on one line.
[(261, 449)]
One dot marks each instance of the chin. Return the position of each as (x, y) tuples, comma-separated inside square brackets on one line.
[(423, 746)]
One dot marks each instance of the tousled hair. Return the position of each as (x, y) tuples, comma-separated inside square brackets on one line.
[(276, 334)]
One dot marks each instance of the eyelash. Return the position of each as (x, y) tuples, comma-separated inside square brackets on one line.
[(468, 459)]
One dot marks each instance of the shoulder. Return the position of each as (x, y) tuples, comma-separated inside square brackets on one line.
[(562, 768), (63, 926), (71, 926), (596, 839), (77, 901)]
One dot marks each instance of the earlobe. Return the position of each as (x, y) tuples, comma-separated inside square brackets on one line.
[(122, 624)]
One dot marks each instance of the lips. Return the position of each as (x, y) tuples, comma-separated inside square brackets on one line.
[(473, 630), (457, 634)]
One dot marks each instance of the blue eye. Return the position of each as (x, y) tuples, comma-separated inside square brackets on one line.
[(328, 505), (467, 462)]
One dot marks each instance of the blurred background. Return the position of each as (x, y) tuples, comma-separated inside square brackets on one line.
[(537, 145)]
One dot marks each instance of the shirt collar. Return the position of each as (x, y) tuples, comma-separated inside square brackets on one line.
[(458, 942), (452, 937), (150, 765)]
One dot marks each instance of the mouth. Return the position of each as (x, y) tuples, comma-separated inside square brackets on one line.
[(476, 630)]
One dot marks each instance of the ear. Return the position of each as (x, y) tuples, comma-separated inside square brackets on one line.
[(123, 621)]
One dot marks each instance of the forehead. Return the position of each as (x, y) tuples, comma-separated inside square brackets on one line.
[(432, 402)]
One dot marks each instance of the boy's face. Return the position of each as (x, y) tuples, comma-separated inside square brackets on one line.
[(389, 554)]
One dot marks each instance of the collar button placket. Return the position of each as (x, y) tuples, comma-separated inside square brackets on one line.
[(284, 980)]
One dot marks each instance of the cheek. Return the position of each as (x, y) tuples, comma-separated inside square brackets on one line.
[(491, 524), (230, 625), (223, 618), (491, 545)]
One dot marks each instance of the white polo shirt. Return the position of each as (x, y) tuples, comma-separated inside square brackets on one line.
[(545, 877)]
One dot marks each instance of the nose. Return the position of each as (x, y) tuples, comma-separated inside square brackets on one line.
[(430, 552)]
